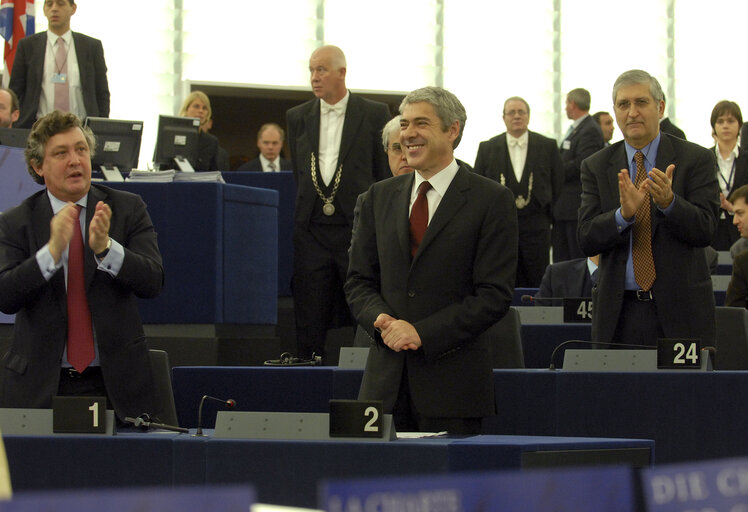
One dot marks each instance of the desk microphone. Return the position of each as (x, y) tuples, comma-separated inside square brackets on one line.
[(593, 344), (144, 421), (230, 403)]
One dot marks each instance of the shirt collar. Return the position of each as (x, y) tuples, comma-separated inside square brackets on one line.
[(591, 266), (649, 151), (440, 181), (733, 154), (52, 37), (59, 204), (579, 120), (521, 141), (342, 104), (265, 161)]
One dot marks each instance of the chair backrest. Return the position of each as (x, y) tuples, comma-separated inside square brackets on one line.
[(506, 341), (161, 370), (732, 339)]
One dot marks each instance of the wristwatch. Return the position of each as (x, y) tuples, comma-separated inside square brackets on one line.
[(103, 253)]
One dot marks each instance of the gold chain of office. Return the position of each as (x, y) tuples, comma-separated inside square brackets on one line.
[(327, 208), (520, 201)]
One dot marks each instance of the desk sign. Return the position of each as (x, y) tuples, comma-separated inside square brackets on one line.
[(356, 418), (79, 415), (577, 310), (676, 353), (700, 486)]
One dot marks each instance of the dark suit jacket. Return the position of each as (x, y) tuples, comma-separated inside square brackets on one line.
[(737, 290), (207, 152), (586, 139), (31, 368), (543, 162), (683, 288), (256, 166), (361, 154), (28, 70), (458, 285), (566, 279), (667, 126)]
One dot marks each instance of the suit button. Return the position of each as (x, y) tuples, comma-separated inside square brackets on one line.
[(411, 293)]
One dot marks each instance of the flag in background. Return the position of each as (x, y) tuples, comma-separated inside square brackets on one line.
[(16, 22)]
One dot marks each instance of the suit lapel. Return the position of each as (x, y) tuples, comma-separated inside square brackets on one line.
[(311, 122), (401, 203), (665, 157), (38, 53), (505, 163), (532, 154), (618, 161), (354, 116), (453, 200)]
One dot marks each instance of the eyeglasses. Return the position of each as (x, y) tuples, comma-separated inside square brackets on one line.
[(395, 147), (513, 113)]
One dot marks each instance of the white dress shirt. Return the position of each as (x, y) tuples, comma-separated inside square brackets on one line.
[(517, 147), (266, 164), (726, 169), (439, 184), (47, 98), (330, 133)]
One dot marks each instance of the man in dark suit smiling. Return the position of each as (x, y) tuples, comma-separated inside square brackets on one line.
[(432, 268)]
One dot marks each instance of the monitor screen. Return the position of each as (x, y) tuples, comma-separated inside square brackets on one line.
[(117, 143), (14, 137), (177, 137)]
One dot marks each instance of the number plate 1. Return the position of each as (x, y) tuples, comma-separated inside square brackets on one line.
[(354, 418), (79, 415), (678, 353)]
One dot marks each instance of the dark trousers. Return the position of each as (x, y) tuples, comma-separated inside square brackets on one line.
[(534, 255), (88, 383), (320, 267), (565, 244), (638, 323), (407, 418)]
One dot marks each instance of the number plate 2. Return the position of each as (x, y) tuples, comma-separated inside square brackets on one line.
[(678, 353), (354, 418)]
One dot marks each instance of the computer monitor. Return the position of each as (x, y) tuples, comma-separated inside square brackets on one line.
[(177, 143), (117, 146), (14, 137)]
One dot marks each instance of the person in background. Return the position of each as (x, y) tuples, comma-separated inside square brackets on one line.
[(732, 160), (607, 126), (59, 70), (197, 104), (9, 109), (270, 143)]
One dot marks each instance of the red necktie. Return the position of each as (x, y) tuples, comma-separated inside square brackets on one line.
[(80, 329), (644, 267), (419, 218)]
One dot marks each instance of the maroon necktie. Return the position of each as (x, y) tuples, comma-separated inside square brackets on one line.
[(62, 87), (80, 330), (419, 218)]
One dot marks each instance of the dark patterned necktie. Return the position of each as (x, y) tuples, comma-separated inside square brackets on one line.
[(419, 218), (644, 267)]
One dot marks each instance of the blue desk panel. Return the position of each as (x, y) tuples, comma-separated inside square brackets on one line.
[(283, 182), (219, 246), (282, 472)]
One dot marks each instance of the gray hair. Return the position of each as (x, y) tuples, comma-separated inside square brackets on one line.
[(516, 98), (581, 97), (393, 125), (44, 129), (637, 76), (447, 107)]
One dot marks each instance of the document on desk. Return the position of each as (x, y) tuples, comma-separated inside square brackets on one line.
[(420, 435), (5, 490)]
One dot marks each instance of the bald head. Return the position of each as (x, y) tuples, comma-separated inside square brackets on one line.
[(327, 69)]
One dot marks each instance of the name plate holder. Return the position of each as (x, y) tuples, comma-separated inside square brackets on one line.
[(353, 358), (634, 360), (37, 422), (301, 426)]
